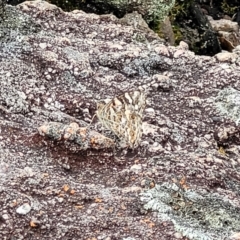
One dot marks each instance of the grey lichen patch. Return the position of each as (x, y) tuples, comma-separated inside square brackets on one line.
[(16, 25), (2, 9), (148, 65), (14, 28), (196, 216), (228, 103)]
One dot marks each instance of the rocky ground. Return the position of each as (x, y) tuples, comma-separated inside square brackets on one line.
[(182, 182)]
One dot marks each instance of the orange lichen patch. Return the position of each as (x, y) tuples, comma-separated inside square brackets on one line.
[(98, 200), (45, 175), (148, 222), (66, 188), (136, 161), (70, 131), (72, 192), (98, 141), (110, 210), (33, 224), (182, 182), (93, 140), (79, 206), (83, 131)]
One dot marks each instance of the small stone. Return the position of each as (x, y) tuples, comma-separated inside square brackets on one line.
[(28, 171), (226, 56), (235, 236), (183, 45), (144, 143), (5, 216), (48, 77), (60, 199), (178, 235), (150, 111), (86, 111), (42, 45), (24, 209), (136, 167)]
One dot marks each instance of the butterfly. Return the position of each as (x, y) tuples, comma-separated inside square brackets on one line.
[(123, 116)]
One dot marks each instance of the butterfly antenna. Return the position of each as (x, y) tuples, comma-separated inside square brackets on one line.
[(91, 121)]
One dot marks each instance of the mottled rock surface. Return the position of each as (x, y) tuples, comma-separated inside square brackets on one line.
[(183, 182)]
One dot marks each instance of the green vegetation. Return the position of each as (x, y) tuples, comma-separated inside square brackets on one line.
[(226, 8), (178, 12)]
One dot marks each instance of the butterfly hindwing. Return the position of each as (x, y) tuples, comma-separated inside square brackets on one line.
[(123, 116)]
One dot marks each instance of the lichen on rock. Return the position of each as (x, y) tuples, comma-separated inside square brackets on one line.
[(55, 67), (201, 216), (228, 103)]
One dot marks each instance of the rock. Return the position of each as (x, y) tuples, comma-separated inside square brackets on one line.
[(55, 67), (24, 209), (235, 236), (224, 25), (228, 32), (226, 56)]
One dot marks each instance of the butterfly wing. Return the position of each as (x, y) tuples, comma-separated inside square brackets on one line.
[(135, 103), (123, 116)]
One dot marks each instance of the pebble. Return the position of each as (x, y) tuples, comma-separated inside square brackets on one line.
[(24, 209), (136, 167), (178, 235), (60, 199), (42, 45), (150, 110), (5, 216)]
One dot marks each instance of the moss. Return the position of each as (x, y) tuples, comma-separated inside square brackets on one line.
[(226, 8), (177, 34), (180, 10)]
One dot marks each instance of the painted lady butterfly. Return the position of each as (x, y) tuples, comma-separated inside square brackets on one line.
[(123, 116)]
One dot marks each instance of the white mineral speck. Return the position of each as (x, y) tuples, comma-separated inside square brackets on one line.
[(49, 100), (5, 216), (24, 209), (48, 77), (150, 111), (60, 199), (43, 45), (46, 105)]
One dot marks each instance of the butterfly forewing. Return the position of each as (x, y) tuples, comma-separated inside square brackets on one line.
[(123, 116)]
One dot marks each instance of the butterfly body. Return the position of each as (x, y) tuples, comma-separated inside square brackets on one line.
[(123, 116)]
